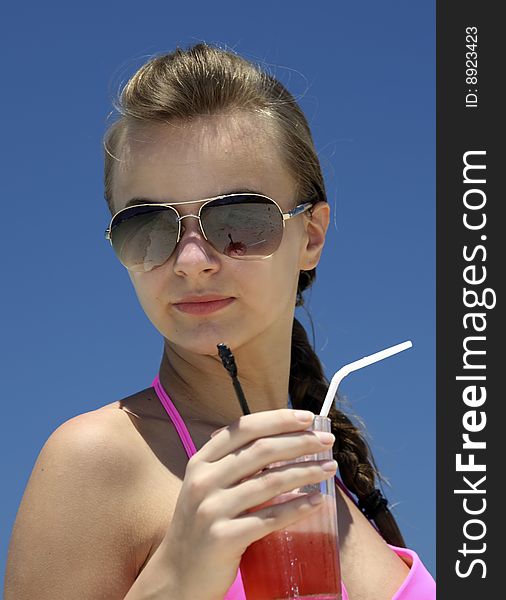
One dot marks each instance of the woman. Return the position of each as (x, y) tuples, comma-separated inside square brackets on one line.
[(114, 508)]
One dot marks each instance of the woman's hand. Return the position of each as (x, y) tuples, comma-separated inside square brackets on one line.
[(211, 526)]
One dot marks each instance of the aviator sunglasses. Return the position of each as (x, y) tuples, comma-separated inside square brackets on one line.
[(244, 226)]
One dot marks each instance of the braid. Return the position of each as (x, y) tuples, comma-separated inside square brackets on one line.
[(308, 387)]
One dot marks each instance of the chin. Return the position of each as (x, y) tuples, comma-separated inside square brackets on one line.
[(204, 339)]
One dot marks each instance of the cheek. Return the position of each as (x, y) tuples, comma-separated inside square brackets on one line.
[(148, 288), (272, 285)]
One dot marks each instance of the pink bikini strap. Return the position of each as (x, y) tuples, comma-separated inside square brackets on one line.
[(178, 422)]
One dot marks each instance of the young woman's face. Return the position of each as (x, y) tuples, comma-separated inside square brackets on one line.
[(209, 157)]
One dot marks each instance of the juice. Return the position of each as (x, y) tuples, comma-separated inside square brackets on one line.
[(292, 565), (301, 561)]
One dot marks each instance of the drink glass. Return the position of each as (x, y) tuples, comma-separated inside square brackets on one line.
[(302, 560)]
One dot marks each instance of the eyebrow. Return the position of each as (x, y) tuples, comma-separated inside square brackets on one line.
[(140, 200)]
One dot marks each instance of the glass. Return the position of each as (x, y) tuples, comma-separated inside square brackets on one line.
[(301, 561)]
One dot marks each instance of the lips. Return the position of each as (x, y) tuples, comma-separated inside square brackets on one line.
[(203, 305), (202, 298)]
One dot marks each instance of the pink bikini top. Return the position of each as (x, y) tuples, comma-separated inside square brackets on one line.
[(418, 585)]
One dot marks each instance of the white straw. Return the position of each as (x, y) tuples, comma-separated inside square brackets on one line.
[(354, 366)]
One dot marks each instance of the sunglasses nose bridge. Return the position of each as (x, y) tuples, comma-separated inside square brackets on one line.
[(180, 218)]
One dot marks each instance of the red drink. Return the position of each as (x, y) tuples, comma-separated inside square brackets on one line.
[(301, 561)]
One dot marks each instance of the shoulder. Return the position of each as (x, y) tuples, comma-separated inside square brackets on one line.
[(82, 511), (95, 443), (112, 450), (90, 462)]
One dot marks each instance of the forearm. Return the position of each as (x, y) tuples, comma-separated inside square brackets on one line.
[(161, 580), (157, 581)]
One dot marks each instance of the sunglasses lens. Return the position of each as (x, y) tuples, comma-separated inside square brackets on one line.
[(249, 227), (144, 237)]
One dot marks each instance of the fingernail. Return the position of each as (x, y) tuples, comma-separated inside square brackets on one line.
[(329, 465), (217, 431), (326, 437), (305, 416), (315, 499)]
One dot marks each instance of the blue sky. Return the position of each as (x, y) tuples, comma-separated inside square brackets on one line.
[(73, 335)]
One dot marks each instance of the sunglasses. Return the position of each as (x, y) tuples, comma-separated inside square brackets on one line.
[(243, 226)]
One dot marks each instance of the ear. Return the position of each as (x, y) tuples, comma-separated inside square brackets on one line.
[(316, 225)]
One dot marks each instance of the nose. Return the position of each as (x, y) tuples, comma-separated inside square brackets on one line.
[(194, 254)]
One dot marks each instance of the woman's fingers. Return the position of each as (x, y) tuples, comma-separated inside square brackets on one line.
[(203, 479), (275, 482), (254, 426), (264, 486), (249, 445), (254, 457), (252, 526)]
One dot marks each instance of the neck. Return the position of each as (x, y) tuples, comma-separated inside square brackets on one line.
[(202, 390)]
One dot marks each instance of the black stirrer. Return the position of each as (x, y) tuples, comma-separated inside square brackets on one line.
[(228, 360)]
